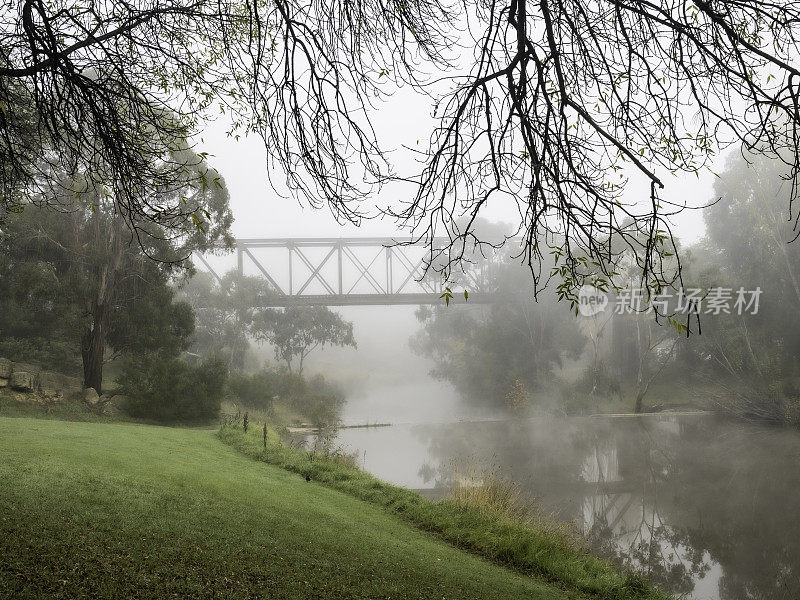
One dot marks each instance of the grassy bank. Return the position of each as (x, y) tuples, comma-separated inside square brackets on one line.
[(538, 551), (92, 510)]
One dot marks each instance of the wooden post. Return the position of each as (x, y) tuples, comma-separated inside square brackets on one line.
[(265, 435), (244, 422)]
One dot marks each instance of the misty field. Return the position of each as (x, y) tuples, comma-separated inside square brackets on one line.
[(113, 511)]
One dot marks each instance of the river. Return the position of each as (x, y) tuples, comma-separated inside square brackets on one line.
[(707, 507)]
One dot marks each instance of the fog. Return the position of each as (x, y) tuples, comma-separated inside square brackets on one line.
[(624, 369), (669, 492), (651, 444)]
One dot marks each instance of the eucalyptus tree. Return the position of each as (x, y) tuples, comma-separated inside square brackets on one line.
[(751, 351), (550, 105), (496, 354), (296, 331), (226, 312), (100, 285)]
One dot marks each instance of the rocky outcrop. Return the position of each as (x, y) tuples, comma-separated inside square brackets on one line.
[(113, 405), (6, 368), (91, 397), (22, 381), (29, 384)]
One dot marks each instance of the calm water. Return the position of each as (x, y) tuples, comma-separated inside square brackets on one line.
[(710, 509)]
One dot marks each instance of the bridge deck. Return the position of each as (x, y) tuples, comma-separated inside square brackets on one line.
[(368, 300)]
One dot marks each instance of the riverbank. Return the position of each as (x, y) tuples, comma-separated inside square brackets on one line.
[(542, 552)]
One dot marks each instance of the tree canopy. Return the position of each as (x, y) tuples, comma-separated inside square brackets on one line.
[(496, 354), (753, 356), (552, 105), (296, 331), (81, 277), (226, 311)]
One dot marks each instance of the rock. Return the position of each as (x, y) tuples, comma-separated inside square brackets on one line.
[(49, 384), (113, 406), (90, 397), (3, 383), (6, 366), (56, 385), (22, 381)]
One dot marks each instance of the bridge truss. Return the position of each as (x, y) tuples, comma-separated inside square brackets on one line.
[(346, 272)]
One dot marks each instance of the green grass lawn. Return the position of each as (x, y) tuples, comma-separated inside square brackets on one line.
[(92, 510)]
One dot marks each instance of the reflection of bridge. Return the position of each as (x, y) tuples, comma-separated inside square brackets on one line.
[(346, 271)]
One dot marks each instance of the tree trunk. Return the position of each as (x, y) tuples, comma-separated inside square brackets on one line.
[(640, 346), (93, 348), (93, 344), (638, 406)]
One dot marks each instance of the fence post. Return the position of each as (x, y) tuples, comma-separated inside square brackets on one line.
[(244, 422), (265, 435)]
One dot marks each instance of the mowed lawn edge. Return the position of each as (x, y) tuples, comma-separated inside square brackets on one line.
[(543, 552), (92, 510)]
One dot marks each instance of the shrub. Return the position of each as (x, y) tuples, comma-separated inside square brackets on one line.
[(171, 390), (51, 355), (256, 390), (518, 400), (488, 492), (316, 399)]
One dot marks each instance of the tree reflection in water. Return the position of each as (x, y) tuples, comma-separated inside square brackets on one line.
[(703, 506)]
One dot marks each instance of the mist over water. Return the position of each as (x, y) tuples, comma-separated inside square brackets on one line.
[(385, 381), (421, 400), (705, 506)]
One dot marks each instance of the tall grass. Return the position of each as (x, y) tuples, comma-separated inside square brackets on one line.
[(488, 492)]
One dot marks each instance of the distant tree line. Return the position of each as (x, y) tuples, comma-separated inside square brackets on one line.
[(230, 316), (747, 364)]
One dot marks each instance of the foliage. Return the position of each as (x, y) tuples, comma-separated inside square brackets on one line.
[(518, 399), (488, 492), (296, 331), (253, 391), (229, 315), (484, 350), (225, 312), (750, 357), (170, 390), (316, 400), (51, 355), (80, 277)]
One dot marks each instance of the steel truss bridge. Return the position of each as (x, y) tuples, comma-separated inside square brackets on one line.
[(347, 272)]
